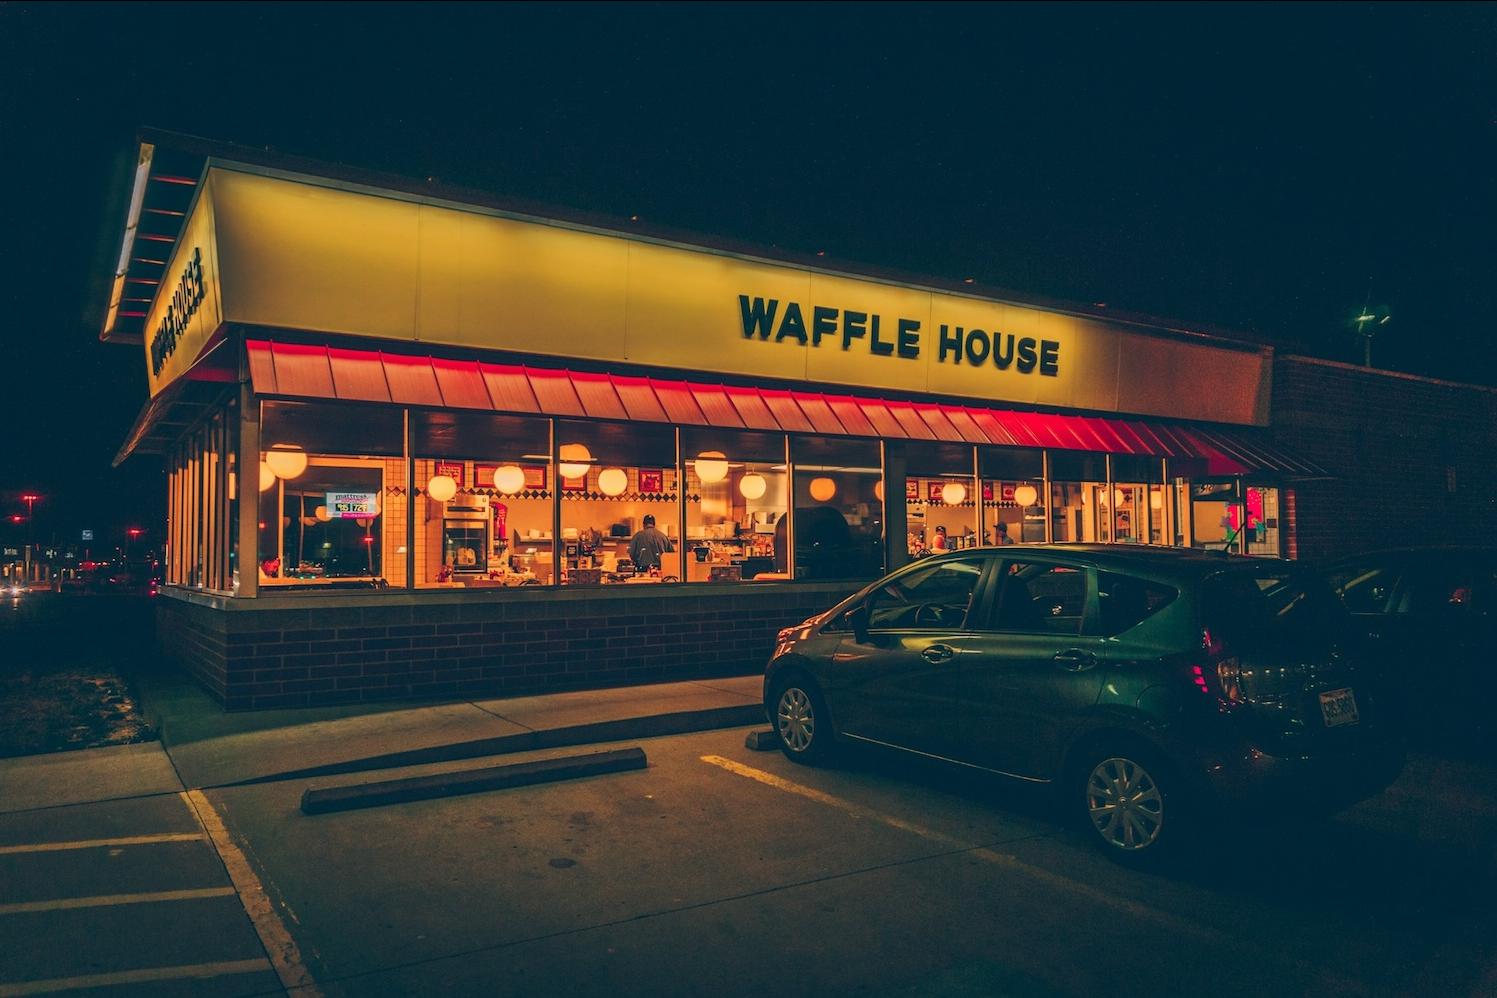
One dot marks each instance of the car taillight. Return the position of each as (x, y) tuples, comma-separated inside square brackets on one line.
[(1220, 675)]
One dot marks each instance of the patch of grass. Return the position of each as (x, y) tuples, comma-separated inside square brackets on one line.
[(65, 709)]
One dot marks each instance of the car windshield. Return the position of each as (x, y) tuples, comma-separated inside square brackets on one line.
[(1262, 604)]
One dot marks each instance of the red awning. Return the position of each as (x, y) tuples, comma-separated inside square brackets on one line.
[(301, 371)]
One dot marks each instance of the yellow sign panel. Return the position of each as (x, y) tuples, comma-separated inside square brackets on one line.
[(299, 255)]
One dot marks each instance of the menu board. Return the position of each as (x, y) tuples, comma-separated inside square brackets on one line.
[(352, 505)]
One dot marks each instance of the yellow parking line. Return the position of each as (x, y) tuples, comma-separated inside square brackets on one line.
[(1006, 860), (284, 955), (107, 900), (146, 976), (128, 840)]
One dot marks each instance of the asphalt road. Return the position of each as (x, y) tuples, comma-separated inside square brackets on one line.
[(122, 897), (728, 872)]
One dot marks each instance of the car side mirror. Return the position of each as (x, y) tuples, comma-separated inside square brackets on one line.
[(857, 619)]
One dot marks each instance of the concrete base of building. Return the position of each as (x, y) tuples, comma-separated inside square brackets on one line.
[(313, 650)]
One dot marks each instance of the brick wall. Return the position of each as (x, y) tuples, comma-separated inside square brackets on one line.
[(287, 652), (1412, 457)]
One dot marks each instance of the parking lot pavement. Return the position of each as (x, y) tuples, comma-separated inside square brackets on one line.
[(129, 895), (732, 872)]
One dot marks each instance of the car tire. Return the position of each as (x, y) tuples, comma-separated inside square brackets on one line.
[(802, 723), (1131, 804)]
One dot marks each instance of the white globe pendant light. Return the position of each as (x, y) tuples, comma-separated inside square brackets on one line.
[(878, 490), (441, 487), (1026, 494), (953, 493), (286, 460), (712, 466), (575, 459), (267, 477), (822, 489), (509, 479), (752, 486), (613, 481), (322, 514)]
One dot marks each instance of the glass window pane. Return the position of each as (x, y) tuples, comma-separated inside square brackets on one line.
[(1126, 602), (735, 504), (839, 512), (1048, 599), (332, 507), (940, 497), (936, 597), (620, 501), (1214, 514), (483, 508), (1261, 530), (1079, 512), (1013, 494)]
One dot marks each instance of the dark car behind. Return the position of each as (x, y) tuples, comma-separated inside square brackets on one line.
[(1151, 686), (1430, 616)]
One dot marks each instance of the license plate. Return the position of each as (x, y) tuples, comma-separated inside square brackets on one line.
[(1338, 707)]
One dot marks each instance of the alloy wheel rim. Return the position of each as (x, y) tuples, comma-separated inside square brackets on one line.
[(797, 719), (1125, 804)]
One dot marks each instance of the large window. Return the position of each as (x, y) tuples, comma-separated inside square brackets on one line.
[(332, 497), (202, 514), (736, 492), (484, 510), (620, 503), (1079, 503), (1013, 494), (940, 497), (1137, 508), (839, 510)]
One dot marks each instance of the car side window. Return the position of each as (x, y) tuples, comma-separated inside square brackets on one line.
[(935, 597), (1439, 589), (1047, 599), (1126, 601), (1366, 588)]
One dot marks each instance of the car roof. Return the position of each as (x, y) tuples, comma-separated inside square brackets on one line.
[(1154, 560), (1418, 551)]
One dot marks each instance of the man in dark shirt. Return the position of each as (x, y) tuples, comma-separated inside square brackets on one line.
[(648, 545)]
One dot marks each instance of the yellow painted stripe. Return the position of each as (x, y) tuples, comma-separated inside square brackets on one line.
[(128, 840), (284, 955), (145, 976), (106, 900), (1006, 860)]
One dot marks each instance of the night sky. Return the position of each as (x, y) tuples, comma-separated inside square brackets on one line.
[(1262, 168)]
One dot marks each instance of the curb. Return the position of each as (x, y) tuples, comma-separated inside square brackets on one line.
[(683, 722), (325, 800)]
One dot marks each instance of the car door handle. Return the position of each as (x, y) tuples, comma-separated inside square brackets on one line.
[(936, 654), (1075, 660)]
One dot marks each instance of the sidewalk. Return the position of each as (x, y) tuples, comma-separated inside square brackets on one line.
[(210, 748)]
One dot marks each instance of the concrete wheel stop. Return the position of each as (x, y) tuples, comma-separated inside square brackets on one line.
[(761, 741), (323, 800)]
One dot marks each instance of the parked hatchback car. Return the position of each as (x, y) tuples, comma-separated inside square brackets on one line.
[(1430, 614), (1149, 685)]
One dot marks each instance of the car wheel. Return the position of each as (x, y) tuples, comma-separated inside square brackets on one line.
[(1129, 803), (802, 724)]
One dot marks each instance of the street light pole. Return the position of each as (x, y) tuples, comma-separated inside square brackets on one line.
[(30, 499), (1368, 321)]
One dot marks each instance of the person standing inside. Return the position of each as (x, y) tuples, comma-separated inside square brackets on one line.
[(1000, 534), (648, 545)]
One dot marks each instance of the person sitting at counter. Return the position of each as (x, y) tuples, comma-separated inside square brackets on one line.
[(648, 545)]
